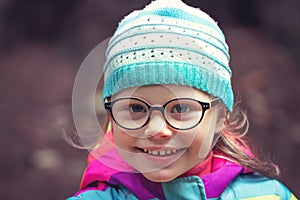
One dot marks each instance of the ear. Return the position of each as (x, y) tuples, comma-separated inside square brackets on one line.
[(105, 121), (109, 123), (220, 125)]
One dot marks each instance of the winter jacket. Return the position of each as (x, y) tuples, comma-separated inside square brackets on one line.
[(216, 178)]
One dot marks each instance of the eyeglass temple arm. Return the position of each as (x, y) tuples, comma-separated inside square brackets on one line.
[(214, 102)]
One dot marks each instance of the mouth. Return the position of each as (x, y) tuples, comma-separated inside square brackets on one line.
[(161, 152)]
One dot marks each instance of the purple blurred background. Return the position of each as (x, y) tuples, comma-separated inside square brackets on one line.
[(42, 45)]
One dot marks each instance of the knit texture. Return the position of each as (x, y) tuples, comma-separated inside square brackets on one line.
[(169, 42)]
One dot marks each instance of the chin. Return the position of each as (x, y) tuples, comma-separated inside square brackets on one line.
[(162, 175)]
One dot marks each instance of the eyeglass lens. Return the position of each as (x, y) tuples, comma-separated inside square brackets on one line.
[(134, 113)]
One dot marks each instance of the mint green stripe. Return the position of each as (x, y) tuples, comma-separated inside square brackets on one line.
[(225, 65), (118, 38)]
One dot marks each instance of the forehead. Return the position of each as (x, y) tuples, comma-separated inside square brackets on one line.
[(159, 94)]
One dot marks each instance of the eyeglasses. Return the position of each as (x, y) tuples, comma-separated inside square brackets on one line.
[(181, 113)]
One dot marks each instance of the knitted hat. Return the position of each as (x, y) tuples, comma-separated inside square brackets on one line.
[(169, 42)]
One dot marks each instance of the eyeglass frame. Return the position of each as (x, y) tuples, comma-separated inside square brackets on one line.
[(204, 105)]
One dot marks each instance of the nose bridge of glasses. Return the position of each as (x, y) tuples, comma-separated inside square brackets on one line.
[(159, 109)]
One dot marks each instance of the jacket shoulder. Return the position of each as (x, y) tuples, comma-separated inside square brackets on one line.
[(255, 186), (110, 193)]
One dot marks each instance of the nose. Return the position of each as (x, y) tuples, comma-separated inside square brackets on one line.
[(157, 127)]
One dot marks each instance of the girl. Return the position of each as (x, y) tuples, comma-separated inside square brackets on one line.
[(173, 132)]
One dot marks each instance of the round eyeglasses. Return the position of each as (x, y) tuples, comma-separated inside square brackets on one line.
[(180, 113)]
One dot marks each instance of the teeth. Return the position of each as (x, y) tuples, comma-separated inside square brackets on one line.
[(161, 152)]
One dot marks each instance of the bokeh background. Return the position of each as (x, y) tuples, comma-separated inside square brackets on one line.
[(42, 45)]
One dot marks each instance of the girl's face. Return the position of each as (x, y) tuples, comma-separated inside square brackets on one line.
[(157, 150)]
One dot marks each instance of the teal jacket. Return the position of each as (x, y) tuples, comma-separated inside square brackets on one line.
[(230, 181), (247, 187), (108, 176)]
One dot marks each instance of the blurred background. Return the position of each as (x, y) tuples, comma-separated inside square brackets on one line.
[(43, 43)]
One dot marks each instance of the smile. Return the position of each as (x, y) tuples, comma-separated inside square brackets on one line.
[(163, 152)]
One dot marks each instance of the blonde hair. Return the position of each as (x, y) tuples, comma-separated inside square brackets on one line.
[(233, 142)]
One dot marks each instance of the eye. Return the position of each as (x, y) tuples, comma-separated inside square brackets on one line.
[(180, 108), (136, 108)]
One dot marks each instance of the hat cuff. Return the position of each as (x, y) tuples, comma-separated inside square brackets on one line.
[(143, 74)]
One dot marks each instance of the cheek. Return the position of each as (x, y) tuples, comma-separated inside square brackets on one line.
[(199, 139), (123, 140), (204, 136)]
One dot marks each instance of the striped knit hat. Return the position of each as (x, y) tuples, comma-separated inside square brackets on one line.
[(169, 42)]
